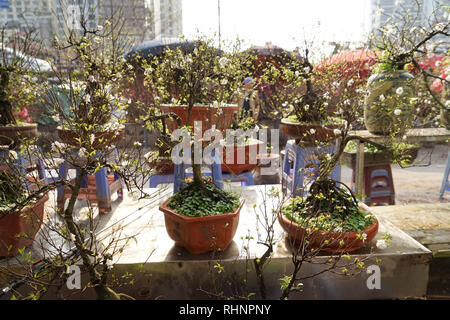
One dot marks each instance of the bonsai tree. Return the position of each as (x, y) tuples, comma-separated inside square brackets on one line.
[(202, 76), (19, 80)]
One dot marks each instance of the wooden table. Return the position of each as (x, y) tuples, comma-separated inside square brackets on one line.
[(411, 136)]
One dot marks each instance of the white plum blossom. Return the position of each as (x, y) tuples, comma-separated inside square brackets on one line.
[(307, 69), (447, 103), (81, 152), (13, 154), (438, 63), (100, 28), (350, 82), (92, 78), (87, 98), (223, 62), (137, 144), (92, 138), (382, 97), (399, 91), (56, 117), (97, 39), (397, 112), (439, 27), (381, 244), (224, 82), (312, 130), (58, 146), (337, 132)]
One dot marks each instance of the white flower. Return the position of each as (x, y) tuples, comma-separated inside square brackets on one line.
[(439, 27), (13, 154), (81, 152), (87, 98), (97, 39), (307, 107), (92, 78), (447, 103), (215, 104), (284, 104), (312, 130), (399, 91), (58, 146), (364, 236), (297, 73), (347, 102), (338, 229), (223, 62), (337, 132), (92, 138), (224, 82), (438, 63), (307, 69), (382, 97), (56, 117), (350, 82), (137, 144), (397, 112), (381, 244), (99, 28), (414, 100)]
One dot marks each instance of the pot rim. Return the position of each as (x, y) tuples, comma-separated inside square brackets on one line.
[(164, 208), (27, 208), (24, 125), (334, 234)]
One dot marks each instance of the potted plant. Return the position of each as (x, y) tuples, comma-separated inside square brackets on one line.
[(391, 99), (18, 90), (304, 101), (21, 214), (202, 76)]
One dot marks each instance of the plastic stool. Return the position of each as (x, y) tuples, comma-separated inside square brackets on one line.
[(378, 184), (445, 186), (24, 163), (300, 161), (104, 185)]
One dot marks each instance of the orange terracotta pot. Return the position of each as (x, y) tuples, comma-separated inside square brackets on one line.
[(235, 167), (302, 132), (201, 234), (316, 239), (27, 222), (208, 115), (102, 139)]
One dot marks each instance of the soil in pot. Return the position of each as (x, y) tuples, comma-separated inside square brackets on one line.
[(18, 229), (202, 219)]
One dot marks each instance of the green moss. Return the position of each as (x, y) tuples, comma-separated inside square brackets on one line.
[(206, 200), (354, 220)]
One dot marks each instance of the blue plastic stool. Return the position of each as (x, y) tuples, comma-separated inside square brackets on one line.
[(445, 186), (245, 178), (296, 163), (104, 190), (23, 162)]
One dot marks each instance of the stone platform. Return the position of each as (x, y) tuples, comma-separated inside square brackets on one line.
[(160, 270)]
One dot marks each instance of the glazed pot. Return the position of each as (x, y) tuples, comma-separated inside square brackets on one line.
[(248, 152), (351, 242), (201, 234), (308, 133), (208, 115), (383, 99), (26, 222), (13, 135), (102, 139)]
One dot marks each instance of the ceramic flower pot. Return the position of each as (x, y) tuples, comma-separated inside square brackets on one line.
[(221, 117), (25, 223), (13, 135), (201, 234), (248, 153), (102, 139), (317, 239), (387, 107), (308, 133)]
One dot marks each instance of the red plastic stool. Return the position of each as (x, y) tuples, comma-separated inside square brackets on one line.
[(378, 184)]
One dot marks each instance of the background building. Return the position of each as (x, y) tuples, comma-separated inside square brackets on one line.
[(383, 12), (167, 18)]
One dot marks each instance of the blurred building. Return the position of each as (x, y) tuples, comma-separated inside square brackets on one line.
[(384, 12), (143, 19), (167, 18)]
